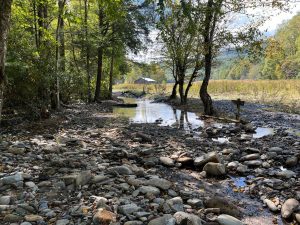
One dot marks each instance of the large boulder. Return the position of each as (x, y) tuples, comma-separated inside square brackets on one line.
[(210, 157), (214, 169)]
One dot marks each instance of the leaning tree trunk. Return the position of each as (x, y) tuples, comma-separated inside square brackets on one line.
[(5, 11), (89, 93), (205, 97), (210, 24), (174, 90)]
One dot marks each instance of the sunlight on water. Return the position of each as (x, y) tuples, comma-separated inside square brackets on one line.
[(161, 113), (262, 132)]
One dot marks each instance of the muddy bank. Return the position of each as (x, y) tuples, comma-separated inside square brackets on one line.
[(86, 165)]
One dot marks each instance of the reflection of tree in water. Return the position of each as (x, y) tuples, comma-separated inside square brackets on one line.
[(189, 125), (181, 122)]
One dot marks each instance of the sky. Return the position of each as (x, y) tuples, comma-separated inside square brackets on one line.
[(155, 49)]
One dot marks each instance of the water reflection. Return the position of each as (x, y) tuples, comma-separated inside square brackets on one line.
[(165, 115)]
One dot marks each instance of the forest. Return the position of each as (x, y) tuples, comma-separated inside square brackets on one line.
[(149, 112)]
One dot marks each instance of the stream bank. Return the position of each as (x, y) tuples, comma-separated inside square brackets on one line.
[(86, 165)]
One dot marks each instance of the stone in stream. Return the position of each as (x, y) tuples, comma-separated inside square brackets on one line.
[(33, 218), (186, 218), (271, 205), (83, 178), (128, 209), (275, 149), (250, 157), (286, 174), (166, 161), (12, 179), (163, 220), (225, 206), (149, 190), (12, 218), (224, 219), (253, 163), (5, 200), (134, 222), (174, 205), (121, 170), (289, 207), (163, 184), (104, 217), (185, 161), (210, 157), (214, 169), (62, 222)]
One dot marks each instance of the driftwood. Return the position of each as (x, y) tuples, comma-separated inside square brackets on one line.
[(126, 105), (223, 118)]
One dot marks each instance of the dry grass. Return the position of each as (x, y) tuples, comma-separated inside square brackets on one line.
[(283, 93)]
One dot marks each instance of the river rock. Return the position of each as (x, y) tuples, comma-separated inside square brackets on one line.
[(149, 190), (62, 222), (291, 161), (33, 218), (225, 206), (134, 222), (210, 157), (167, 161), (250, 157), (297, 217), (183, 218), (5, 200), (121, 170), (286, 174), (128, 209), (224, 219), (175, 204), (12, 218), (271, 205), (163, 220), (276, 149), (214, 169), (160, 183), (288, 207), (13, 179), (83, 178), (104, 217), (253, 163)]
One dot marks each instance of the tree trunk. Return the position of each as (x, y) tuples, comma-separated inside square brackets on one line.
[(86, 7), (36, 33), (210, 22), (60, 49), (174, 90), (181, 90), (99, 75), (100, 59), (205, 97), (111, 73), (5, 12)]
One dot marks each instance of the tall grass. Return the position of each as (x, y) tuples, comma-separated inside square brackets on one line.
[(280, 92)]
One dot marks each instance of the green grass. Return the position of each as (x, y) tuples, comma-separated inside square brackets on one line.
[(282, 93)]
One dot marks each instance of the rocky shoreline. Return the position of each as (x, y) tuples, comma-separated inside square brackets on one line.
[(86, 166)]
